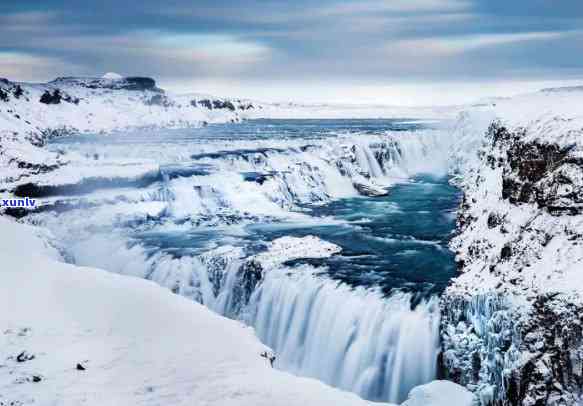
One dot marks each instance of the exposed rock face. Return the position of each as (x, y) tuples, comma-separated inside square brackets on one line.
[(129, 83), (512, 323), (56, 96), (540, 173), (370, 190), (218, 104)]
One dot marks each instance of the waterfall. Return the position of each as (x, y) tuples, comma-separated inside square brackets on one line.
[(349, 338)]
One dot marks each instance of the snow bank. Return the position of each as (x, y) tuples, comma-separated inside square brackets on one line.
[(439, 393)]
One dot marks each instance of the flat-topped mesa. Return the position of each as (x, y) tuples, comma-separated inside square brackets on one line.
[(126, 83)]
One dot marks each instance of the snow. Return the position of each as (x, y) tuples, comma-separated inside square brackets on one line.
[(288, 248), (112, 76), (351, 111), (439, 393)]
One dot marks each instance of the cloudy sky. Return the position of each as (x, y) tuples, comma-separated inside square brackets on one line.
[(380, 51)]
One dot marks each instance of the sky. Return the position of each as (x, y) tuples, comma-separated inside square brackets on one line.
[(400, 52)]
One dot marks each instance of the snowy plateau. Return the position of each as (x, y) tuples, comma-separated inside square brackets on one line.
[(89, 319)]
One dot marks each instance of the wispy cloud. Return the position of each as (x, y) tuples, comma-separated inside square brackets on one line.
[(395, 6), (28, 67), (451, 45), (179, 54), (27, 18)]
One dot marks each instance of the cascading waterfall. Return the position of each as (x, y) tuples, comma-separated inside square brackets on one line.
[(352, 339)]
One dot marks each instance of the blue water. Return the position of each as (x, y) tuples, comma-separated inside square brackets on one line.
[(397, 241)]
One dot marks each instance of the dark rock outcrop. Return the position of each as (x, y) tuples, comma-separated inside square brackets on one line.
[(56, 96), (8, 88), (534, 172), (134, 83), (218, 104)]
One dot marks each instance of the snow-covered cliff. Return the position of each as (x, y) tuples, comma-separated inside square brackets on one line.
[(511, 323)]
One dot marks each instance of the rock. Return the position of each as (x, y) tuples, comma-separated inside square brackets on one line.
[(494, 220), (545, 174), (268, 356), (139, 83), (134, 83), (205, 103), (53, 97), (24, 356), (56, 96), (370, 190)]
